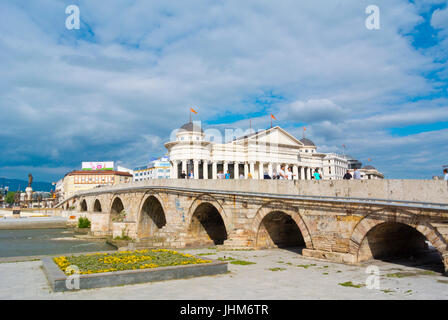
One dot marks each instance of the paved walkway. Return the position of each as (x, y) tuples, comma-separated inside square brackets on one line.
[(276, 274)]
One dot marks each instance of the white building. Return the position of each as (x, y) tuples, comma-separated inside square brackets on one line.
[(251, 155), (157, 169), (334, 166)]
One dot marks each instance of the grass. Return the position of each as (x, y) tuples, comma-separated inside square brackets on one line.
[(388, 291), (400, 274), (443, 281), (241, 262), (411, 274), (226, 259), (306, 266), (325, 273), (206, 254), (277, 269), (351, 284)]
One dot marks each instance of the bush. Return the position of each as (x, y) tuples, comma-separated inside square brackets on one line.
[(10, 197), (83, 223)]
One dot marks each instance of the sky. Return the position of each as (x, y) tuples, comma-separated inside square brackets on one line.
[(114, 89)]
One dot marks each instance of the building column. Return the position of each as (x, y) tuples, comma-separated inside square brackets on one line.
[(246, 170), (173, 170), (270, 169), (302, 173), (225, 167), (184, 167), (261, 170), (252, 169), (236, 173), (205, 169), (196, 169), (295, 172), (310, 173), (214, 170)]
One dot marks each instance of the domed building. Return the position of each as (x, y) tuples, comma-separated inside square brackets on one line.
[(205, 154)]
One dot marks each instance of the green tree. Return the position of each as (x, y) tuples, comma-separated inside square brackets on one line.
[(10, 197)]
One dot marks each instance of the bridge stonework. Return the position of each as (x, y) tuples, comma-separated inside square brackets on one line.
[(326, 218)]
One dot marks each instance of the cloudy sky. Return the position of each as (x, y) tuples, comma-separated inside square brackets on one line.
[(117, 87)]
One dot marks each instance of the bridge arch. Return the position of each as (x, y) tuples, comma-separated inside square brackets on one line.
[(265, 221), (151, 216), (391, 233), (116, 208), (207, 222), (97, 206), (83, 205)]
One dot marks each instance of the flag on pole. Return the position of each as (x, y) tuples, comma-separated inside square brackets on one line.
[(272, 116), (369, 159), (194, 111)]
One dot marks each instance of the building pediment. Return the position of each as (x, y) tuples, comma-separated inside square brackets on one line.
[(275, 135)]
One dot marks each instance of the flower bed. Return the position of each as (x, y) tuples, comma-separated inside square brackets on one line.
[(125, 260)]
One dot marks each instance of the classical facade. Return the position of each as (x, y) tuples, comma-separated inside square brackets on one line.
[(250, 156)]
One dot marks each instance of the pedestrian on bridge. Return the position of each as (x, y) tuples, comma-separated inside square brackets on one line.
[(446, 174), (356, 175), (347, 175)]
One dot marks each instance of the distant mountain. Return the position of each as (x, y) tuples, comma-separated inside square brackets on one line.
[(15, 184)]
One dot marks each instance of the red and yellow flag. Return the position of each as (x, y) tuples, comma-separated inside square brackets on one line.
[(272, 116), (194, 111)]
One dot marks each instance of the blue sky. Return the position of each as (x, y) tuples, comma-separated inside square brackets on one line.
[(117, 87)]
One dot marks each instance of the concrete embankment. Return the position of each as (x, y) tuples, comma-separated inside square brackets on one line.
[(32, 223)]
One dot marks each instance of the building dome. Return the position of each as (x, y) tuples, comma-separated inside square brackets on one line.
[(307, 142), (369, 167), (191, 127)]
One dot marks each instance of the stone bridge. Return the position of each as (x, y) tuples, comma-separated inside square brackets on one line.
[(343, 221)]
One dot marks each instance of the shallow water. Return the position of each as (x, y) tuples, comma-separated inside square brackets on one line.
[(45, 242)]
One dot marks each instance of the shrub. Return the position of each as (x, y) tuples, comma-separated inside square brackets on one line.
[(83, 222)]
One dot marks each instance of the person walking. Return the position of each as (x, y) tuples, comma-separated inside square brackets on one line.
[(289, 174), (266, 175), (281, 173), (317, 175), (227, 175), (446, 174), (191, 175), (183, 175), (356, 175), (347, 175)]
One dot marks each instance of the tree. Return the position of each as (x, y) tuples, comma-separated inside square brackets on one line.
[(10, 197)]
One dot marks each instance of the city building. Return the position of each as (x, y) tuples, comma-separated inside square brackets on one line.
[(334, 166), (92, 175), (157, 169), (250, 155), (370, 172)]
